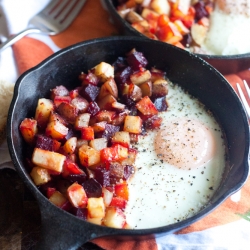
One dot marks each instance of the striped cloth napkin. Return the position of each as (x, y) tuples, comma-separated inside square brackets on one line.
[(227, 227)]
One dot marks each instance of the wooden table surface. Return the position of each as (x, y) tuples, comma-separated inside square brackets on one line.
[(19, 215)]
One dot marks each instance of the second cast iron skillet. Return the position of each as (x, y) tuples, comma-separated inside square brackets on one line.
[(224, 64)]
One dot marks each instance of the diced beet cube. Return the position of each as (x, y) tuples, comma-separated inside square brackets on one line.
[(137, 60), (92, 188), (161, 103), (109, 131), (200, 10), (90, 78), (72, 133), (90, 92), (116, 172), (153, 122), (45, 142), (79, 178), (81, 213), (67, 206), (121, 62), (123, 75), (59, 91), (93, 109), (102, 176), (128, 171)]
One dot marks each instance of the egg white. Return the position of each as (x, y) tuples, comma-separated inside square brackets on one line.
[(162, 194), (229, 32)]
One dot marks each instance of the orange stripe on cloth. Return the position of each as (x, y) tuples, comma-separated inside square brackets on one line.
[(93, 21), (29, 52)]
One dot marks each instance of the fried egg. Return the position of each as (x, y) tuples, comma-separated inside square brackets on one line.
[(178, 167), (229, 31)]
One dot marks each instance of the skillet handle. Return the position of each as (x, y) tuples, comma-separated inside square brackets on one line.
[(62, 232)]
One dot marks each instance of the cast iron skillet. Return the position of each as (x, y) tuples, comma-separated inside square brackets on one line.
[(61, 230), (224, 64)]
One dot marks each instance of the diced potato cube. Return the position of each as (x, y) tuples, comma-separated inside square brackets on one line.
[(119, 106), (97, 221), (140, 77), (105, 115), (98, 143), (77, 195), (160, 6), (146, 88), (108, 88), (122, 152), (107, 196), (81, 142), (99, 126), (133, 17), (88, 156), (56, 130), (70, 145), (122, 138), (96, 207), (104, 71), (82, 121), (43, 110), (160, 88), (114, 217), (40, 175), (198, 33), (106, 102), (58, 199), (28, 129), (48, 159), (149, 14), (130, 160), (135, 92), (133, 124)]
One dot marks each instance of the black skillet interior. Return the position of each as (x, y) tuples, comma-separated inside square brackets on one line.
[(188, 70), (224, 64)]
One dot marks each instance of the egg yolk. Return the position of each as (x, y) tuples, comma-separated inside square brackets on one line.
[(185, 144)]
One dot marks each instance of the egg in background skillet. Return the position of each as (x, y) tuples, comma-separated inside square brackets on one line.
[(178, 167)]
